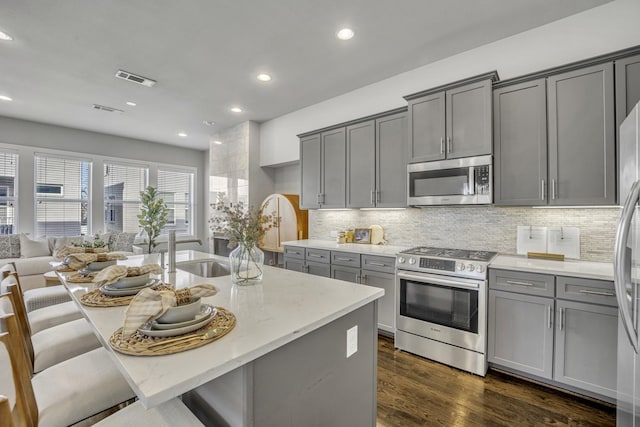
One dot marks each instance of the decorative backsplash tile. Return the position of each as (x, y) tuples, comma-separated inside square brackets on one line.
[(483, 227)]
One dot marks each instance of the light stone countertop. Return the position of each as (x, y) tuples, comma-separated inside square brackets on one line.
[(284, 307), (360, 248), (574, 268)]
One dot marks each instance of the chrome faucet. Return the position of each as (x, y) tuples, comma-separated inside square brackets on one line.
[(171, 249)]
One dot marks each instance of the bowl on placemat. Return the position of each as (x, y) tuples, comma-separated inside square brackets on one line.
[(181, 313), (131, 281), (99, 265)]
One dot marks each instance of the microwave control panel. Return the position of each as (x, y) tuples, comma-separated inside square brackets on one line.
[(482, 178)]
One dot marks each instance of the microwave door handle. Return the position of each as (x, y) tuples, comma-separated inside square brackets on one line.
[(620, 263), (472, 181)]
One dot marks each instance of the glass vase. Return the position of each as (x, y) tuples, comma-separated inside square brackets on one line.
[(246, 265)]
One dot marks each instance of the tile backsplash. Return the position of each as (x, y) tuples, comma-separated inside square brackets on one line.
[(483, 227)]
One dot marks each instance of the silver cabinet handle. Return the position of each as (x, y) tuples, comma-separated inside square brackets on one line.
[(604, 294), (305, 268), (542, 189), (553, 189), (562, 318), (513, 282), (372, 197), (378, 196), (323, 201), (315, 255), (449, 144), (344, 259), (441, 145), (549, 316), (379, 264)]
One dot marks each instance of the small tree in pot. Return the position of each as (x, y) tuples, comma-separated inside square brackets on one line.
[(153, 215)]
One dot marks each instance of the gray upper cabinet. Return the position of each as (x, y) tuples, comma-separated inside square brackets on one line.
[(333, 170), (451, 123), (520, 144), (427, 128), (581, 135), (361, 161), (391, 161), (310, 149), (627, 86)]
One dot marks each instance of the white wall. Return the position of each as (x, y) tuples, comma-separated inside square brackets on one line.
[(613, 26), (30, 137)]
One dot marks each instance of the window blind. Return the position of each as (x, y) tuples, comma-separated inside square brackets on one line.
[(8, 192), (62, 195), (122, 187), (176, 189)]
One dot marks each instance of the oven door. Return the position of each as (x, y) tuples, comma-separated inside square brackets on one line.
[(449, 310)]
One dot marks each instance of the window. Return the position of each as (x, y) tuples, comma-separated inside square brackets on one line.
[(8, 192), (175, 186), (62, 195), (122, 186)]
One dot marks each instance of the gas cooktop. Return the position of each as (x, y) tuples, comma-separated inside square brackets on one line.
[(461, 254)]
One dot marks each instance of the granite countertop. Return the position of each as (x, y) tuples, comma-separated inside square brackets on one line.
[(284, 307), (574, 268), (360, 248)]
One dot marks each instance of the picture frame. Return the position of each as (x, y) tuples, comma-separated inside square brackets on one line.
[(362, 235)]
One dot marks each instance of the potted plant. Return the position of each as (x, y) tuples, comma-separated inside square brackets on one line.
[(153, 215), (245, 229)]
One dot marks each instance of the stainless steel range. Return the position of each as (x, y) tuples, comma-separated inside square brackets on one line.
[(442, 314)]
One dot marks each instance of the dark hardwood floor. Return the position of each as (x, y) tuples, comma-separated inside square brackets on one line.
[(413, 391)]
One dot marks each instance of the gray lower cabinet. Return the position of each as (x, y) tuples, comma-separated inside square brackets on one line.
[(581, 130), (305, 260), (386, 304), (520, 144), (586, 346), (521, 332)]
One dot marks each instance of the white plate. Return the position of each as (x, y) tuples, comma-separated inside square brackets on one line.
[(147, 328), (115, 292), (131, 281), (206, 311)]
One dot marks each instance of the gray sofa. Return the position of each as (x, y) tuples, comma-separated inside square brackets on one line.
[(34, 260)]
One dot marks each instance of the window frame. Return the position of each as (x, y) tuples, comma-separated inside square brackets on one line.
[(117, 162), (191, 206)]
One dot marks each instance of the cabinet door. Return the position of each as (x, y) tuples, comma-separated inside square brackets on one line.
[(520, 144), (469, 120), (318, 269), (391, 161), (582, 137), (386, 304), (521, 332), (361, 143), (348, 274), (427, 128), (294, 264), (586, 346), (334, 167), (310, 149), (627, 86)]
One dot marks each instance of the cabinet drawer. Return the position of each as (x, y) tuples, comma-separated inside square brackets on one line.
[(524, 283), (293, 252), (347, 259), (318, 255), (586, 290), (379, 263), (348, 274), (318, 269)]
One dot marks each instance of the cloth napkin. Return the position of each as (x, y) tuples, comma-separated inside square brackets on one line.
[(113, 273), (80, 260), (149, 304)]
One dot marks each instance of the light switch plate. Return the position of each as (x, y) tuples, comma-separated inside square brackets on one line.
[(352, 341)]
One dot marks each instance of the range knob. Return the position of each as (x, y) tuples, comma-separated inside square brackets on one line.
[(471, 267), (461, 267), (412, 260), (480, 269), (401, 260)]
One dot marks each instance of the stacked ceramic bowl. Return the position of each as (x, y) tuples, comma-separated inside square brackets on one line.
[(180, 319), (128, 286)]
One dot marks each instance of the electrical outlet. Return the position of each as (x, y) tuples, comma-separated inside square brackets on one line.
[(352, 341)]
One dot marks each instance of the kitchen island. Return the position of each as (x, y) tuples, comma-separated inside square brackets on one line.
[(303, 351)]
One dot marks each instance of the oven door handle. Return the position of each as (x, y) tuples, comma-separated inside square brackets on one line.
[(439, 281)]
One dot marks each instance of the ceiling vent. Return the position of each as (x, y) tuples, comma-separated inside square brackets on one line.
[(105, 108), (125, 75)]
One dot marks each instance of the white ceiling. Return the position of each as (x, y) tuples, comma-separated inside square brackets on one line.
[(205, 55)]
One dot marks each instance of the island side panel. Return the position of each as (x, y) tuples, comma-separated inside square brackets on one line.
[(311, 382)]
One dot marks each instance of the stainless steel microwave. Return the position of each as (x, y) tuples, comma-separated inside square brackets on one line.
[(465, 181)]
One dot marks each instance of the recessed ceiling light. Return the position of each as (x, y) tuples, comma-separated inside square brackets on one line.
[(345, 34), (217, 142), (4, 36), (182, 135), (209, 122), (263, 77), (133, 104), (5, 98), (236, 109)]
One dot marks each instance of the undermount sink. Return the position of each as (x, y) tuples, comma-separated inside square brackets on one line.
[(209, 268)]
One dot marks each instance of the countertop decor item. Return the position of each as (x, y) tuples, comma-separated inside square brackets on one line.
[(362, 235), (245, 227), (153, 215)]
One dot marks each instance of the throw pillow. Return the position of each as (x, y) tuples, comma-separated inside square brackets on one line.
[(33, 248)]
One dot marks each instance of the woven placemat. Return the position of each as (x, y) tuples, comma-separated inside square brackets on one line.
[(79, 278), (138, 344), (65, 269), (96, 298)]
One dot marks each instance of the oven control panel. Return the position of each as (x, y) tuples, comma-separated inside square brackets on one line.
[(438, 264), (469, 269)]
